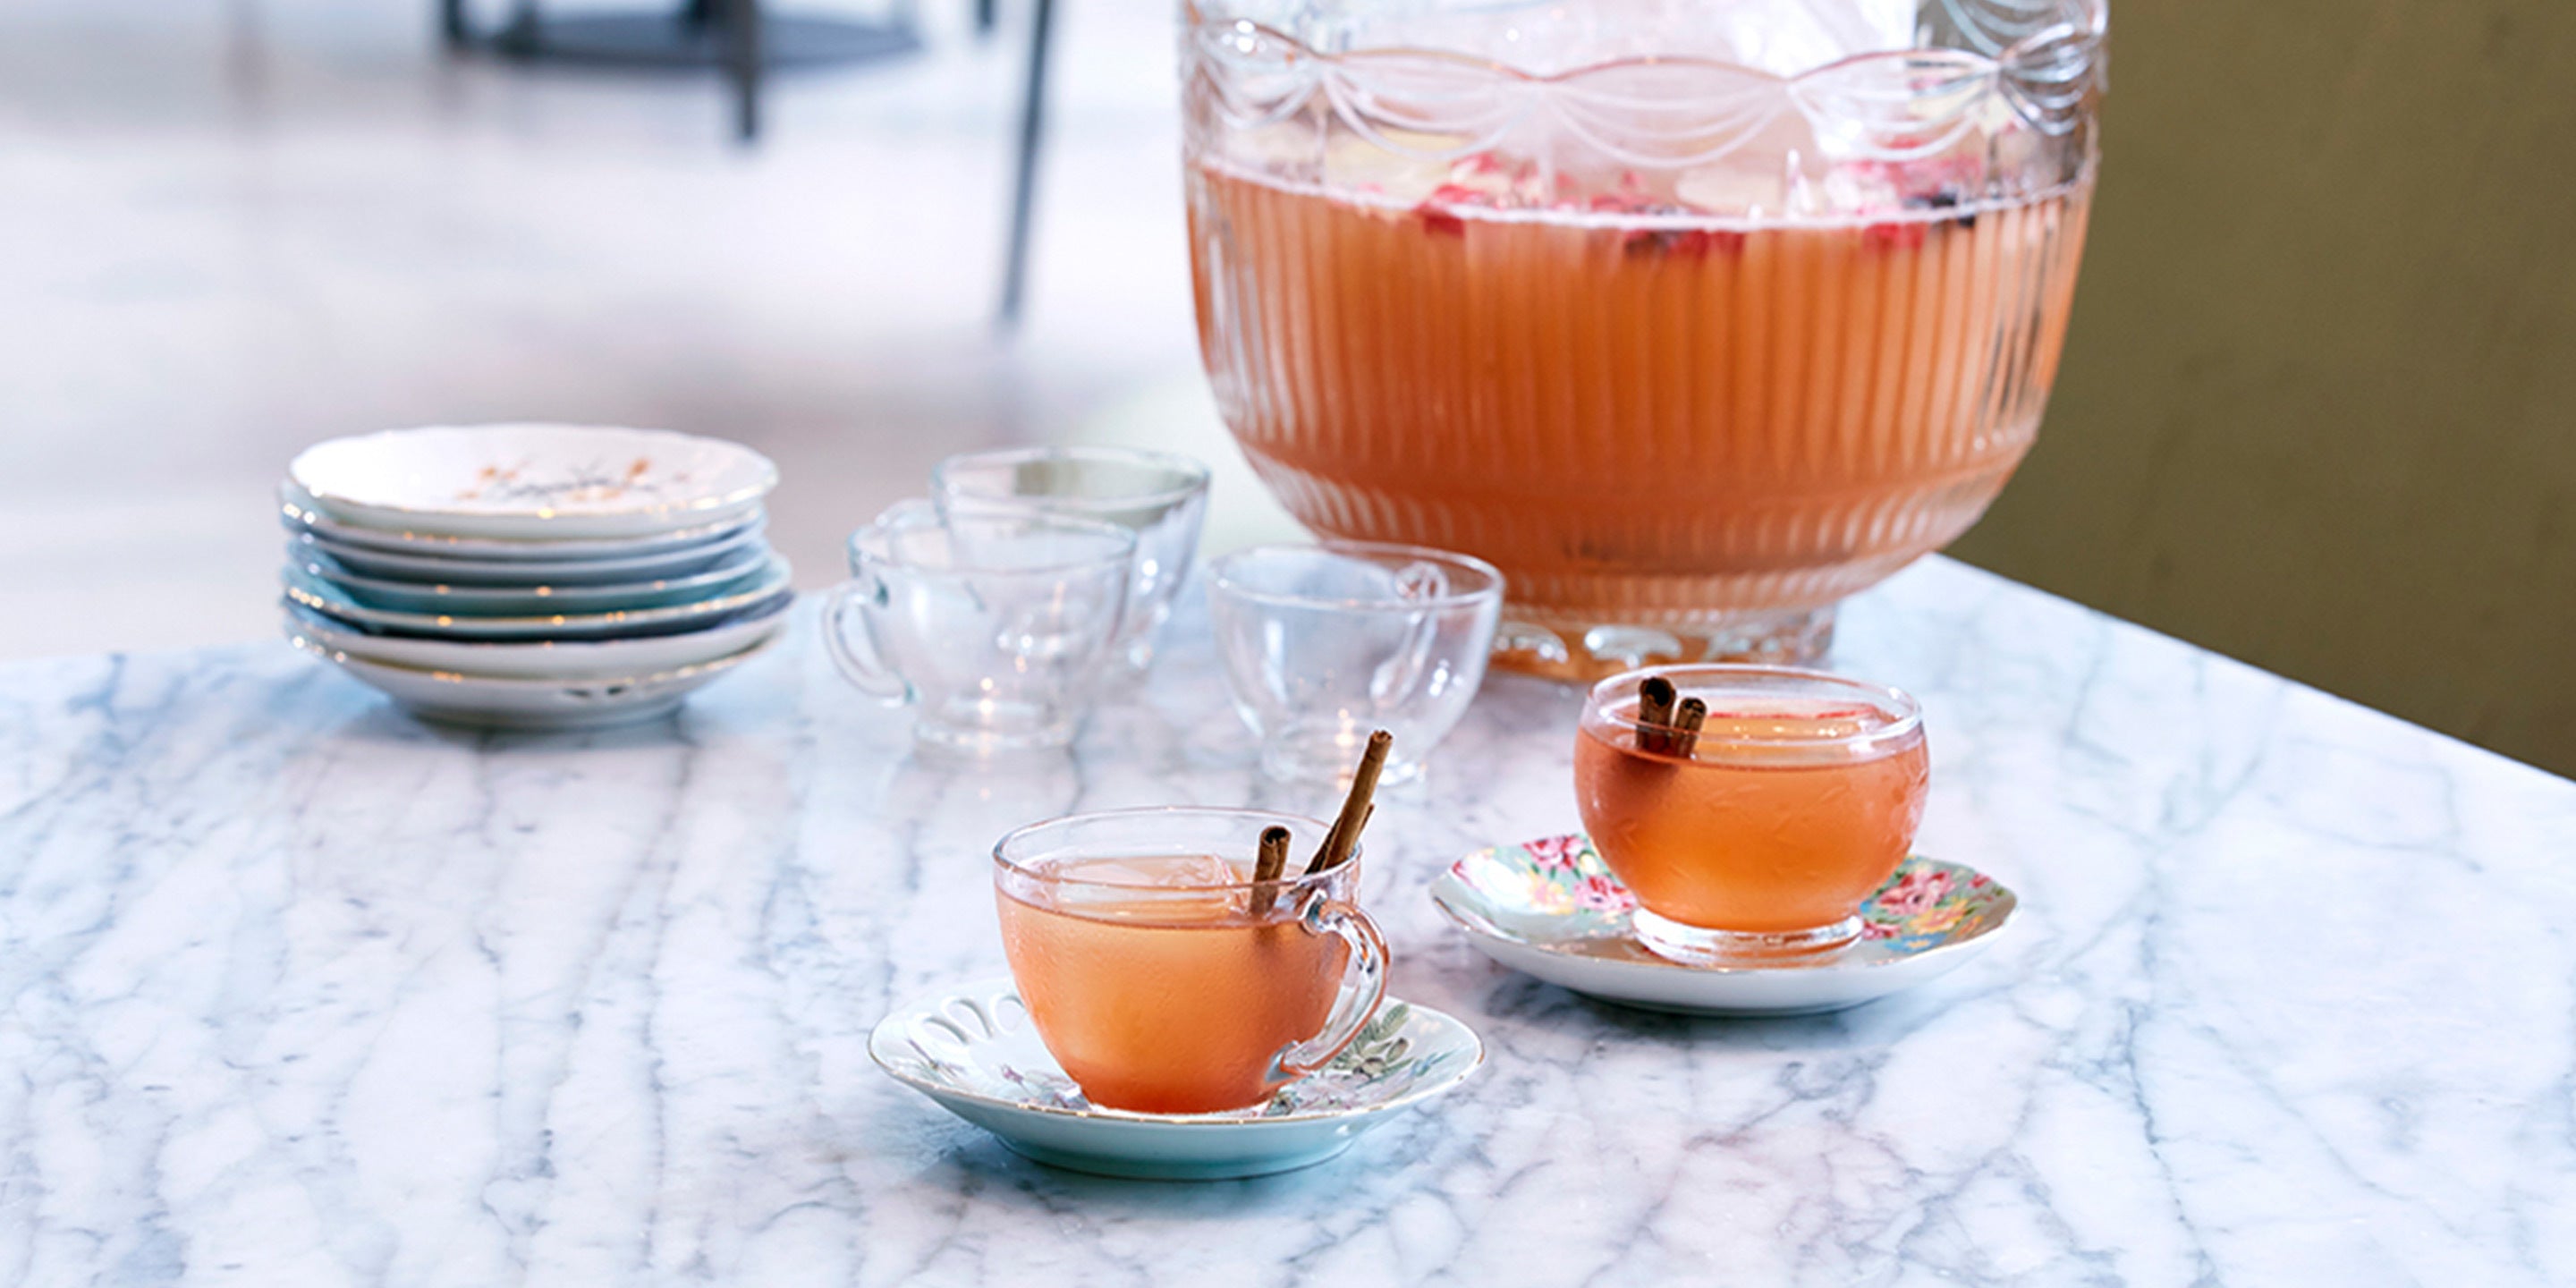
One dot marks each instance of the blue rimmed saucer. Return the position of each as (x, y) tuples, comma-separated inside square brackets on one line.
[(1551, 908), (972, 1049)]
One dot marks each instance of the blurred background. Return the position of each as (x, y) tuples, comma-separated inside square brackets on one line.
[(2318, 409)]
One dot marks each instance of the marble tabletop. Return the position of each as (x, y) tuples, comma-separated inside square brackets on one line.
[(299, 991)]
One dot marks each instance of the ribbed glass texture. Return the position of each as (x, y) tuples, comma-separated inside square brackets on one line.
[(1667, 392)]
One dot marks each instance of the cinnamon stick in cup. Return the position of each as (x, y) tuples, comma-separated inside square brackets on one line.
[(1654, 713), (1340, 842), (1269, 867), (1684, 740)]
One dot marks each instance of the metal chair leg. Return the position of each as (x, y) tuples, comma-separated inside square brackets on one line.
[(743, 59), (1024, 183)]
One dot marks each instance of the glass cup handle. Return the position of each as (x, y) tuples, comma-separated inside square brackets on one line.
[(860, 664), (1368, 963)]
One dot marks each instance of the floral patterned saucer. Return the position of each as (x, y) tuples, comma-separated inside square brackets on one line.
[(1552, 909), (973, 1050)]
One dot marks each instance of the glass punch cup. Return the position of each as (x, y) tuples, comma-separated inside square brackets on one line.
[(1750, 809), (1162, 976)]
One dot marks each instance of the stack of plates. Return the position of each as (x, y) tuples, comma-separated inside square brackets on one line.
[(532, 576)]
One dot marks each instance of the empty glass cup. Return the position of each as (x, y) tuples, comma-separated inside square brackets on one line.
[(1323, 644), (997, 627), (1160, 497)]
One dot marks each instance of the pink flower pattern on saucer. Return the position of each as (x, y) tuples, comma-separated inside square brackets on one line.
[(1558, 853), (1603, 894), (1924, 902), (1550, 908)]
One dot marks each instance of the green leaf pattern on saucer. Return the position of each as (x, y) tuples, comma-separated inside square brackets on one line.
[(972, 1049), (1378, 1065), (989, 1049)]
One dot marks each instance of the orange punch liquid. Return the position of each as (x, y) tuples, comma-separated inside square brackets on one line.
[(1642, 415), (1169, 1001), (1798, 798)]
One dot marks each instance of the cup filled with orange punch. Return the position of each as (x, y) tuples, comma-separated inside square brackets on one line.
[(1166, 972), (1750, 809), (1195, 994)]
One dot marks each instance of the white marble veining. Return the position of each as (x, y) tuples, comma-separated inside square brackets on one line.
[(298, 991)]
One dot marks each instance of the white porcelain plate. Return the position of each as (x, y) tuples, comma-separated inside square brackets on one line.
[(1552, 909), (331, 601), (544, 659), (532, 480), (469, 570), (489, 702), (299, 513), (973, 1050), (434, 597)]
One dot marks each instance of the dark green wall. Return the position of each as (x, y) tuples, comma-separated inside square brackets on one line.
[(2318, 410)]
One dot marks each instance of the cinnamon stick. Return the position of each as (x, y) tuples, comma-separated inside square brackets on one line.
[(1274, 854), (1684, 739), (1654, 713), (1356, 807), (1273, 862)]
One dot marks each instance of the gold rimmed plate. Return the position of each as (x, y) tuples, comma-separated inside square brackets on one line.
[(536, 705), (322, 597), (532, 481)]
